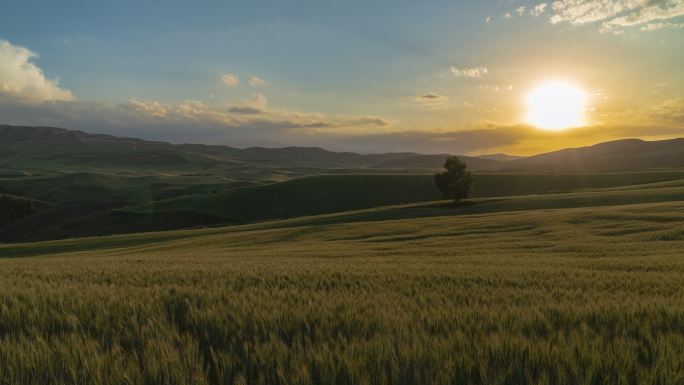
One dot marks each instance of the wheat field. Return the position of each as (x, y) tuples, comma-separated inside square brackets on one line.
[(558, 296)]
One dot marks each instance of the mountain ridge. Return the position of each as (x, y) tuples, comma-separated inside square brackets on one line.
[(616, 155), (302, 154)]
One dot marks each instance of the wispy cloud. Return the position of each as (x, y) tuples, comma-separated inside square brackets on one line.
[(614, 16), (590, 11), (475, 72), (255, 81), (21, 78), (231, 80), (532, 10), (657, 26), (538, 9)]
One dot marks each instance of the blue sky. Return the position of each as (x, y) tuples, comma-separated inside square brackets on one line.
[(179, 46), (362, 75)]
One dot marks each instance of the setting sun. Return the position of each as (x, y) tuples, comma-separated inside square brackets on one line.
[(556, 106)]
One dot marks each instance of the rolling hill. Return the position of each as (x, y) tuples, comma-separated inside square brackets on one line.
[(92, 184), (333, 193)]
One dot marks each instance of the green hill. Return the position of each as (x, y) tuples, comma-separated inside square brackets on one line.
[(94, 184), (87, 204), (336, 193), (13, 208), (645, 194)]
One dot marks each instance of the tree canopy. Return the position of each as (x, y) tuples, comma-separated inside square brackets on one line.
[(456, 182)]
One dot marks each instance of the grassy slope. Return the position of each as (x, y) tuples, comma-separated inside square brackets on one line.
[(660, 192), (305, 196), (568, 294), (336, 193), (106, 185), (308, 196)]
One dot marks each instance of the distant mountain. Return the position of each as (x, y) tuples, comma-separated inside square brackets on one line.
[(99, 150), (60, 136), (619, 155), (77, 142), (500, 157)]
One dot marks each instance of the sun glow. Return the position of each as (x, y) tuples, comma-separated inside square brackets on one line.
[(556, 106)]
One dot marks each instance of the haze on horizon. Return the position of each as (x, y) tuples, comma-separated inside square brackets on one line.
[(447, 76)]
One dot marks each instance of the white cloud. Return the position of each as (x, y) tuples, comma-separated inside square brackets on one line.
[(255, 81), (247, 115), (476, 72), (589, 11), (653, 10), (657, 26), (538, 9), (615, 15), (522, 10), (20, 78), (231, 80)]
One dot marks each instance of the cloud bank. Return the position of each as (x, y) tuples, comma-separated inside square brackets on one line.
[(188, 121), (253, 121)]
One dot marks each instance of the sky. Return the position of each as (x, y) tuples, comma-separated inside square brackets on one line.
[(367, 76)]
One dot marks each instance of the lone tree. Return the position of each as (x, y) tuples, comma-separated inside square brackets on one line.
[(454, 183)]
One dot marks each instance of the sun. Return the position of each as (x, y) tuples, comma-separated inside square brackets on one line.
[(556, 106)]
